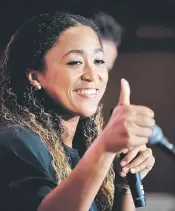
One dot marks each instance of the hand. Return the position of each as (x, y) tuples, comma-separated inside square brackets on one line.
[(143, 163), (129, 125)]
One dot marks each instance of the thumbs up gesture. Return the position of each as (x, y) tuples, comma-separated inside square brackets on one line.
[(124, 98), (129, 125)]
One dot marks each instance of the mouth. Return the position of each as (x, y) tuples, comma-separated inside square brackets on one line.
[(87, 92)]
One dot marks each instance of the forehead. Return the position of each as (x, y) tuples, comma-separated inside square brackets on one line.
[(79, 37)]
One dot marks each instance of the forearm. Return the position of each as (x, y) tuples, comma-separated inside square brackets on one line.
[(78, 190), (127, 203), (123, 200)]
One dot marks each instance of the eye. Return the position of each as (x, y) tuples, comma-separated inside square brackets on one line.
[(99, 61), (74, 63)]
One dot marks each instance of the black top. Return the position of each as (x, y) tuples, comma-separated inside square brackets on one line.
[(26, 174)]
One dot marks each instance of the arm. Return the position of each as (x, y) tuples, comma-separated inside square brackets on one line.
[(127, 203), (123, 199), (93, 168), (78, 190), (30, 184), (129, 126)]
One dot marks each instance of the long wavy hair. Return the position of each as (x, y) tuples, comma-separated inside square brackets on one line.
[(21, 104)]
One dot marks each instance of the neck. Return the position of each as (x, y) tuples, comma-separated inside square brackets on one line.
[(71, 125)]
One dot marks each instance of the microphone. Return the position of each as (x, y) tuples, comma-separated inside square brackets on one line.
[(135, 184), (161, 141), (136, 187)]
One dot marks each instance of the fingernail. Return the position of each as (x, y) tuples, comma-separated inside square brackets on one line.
[(123, 163), (132, 170), (122, 174), (125, 169)]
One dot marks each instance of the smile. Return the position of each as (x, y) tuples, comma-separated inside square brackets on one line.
[(88, 93)]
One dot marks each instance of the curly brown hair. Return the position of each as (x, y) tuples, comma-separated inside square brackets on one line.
[(21, 104)]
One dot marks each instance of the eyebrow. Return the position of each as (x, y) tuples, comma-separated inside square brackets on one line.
[(81, 52)]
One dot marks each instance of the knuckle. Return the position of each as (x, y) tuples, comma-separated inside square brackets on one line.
[(149, 112), (152, 113), (126, 158), (144, 156), (143, 147), (141, 118), (128, 141), (149, 150), (127, 109), (148, 132), (126, 127), (130, 156), (149, 121), (144, 140), (153, 122), (150, 166), (142, 166), (154, 160)]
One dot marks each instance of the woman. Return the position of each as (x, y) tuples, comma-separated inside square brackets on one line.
[(53, 76)]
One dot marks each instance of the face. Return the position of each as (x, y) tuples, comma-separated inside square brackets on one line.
[(75, 73), (111, 53)]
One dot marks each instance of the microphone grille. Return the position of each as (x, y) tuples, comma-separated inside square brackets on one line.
[(157, 135)]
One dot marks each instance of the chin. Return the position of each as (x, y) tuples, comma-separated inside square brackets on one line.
[(87, 112)]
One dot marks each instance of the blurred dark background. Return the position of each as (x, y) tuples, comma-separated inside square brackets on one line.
[(146, 59)]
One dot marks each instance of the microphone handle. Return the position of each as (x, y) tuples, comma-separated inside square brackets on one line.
[(136, 187)]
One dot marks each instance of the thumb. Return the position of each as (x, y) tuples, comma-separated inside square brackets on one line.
[(124, 98)]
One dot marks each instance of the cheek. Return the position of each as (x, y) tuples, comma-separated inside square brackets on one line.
[(104, 81), (104, 77), (59, 83)]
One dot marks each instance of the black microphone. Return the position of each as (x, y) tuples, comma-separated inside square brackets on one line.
[(136, 187), (161, 141), (135, 184)]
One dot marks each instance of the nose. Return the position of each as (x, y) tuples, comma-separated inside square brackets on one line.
[(90, 75)]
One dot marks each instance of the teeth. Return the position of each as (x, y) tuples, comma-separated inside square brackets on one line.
[(87, 91)]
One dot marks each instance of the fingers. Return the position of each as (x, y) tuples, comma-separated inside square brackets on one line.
[(142, 120), (135, 110), (135, 115), (145, 171), (134, 140), (142, 110), (124, 98), (143, 168), (138, 131), (132, 154), (143, 163), (129, 125)]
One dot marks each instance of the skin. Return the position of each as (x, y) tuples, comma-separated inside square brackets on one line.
[(71, 68), (74, 63)]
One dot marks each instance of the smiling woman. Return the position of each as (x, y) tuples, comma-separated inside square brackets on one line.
[(75, 73), (52, 78)]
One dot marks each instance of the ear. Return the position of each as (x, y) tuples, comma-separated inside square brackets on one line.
[(33, 79)]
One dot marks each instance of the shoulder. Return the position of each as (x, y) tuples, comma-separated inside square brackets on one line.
[(23, 143), (18, 136)]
